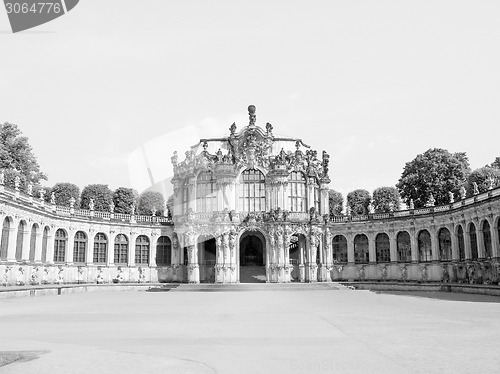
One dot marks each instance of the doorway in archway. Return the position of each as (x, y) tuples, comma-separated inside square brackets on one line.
[(252, 258)]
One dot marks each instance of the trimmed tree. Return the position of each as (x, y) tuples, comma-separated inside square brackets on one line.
[(358, 201), (100, 193), (17, 157), (336, 202), (386, 199), (64, 192), (149, 200), (482, 177), (435, 172), (124, 198)]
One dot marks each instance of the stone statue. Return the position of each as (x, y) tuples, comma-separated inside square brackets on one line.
[(452, 198), (491, 183), (111, 207), (371, 210), (17, 182), (42, 193), (175, 159), (475, 188), (53, 198), (348, 210), (412, 205), (251, 115), (153, 211), (269, 128), (30, 189), (91, 204), (72, 202), (463, 192), (431, 201), (233, 128), (2, 178), (132, 209)]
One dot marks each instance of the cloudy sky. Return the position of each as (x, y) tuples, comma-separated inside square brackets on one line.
[(115, 86)]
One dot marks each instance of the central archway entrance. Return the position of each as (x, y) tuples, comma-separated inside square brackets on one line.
[(252, 257)]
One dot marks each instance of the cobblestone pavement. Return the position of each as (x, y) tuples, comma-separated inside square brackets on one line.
[(322, 331)]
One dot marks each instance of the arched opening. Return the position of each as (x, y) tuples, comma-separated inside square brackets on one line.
[(142, 250), (403, 246), (80, 247), (60, 242), (121, 250), (444, 238), (361, 249), (339, 249), (382, 248), (461, 243), (296, 255), (252, 257), (207, 257), (21, 228), (4, 245), (487, 239), (473, 241), (424, 246), (163, 251), (100, 248), (34, 230)]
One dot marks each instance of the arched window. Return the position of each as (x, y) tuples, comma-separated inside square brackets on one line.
[(313, 181), (121, 249), (45, 240), (206, 192), (100, 248), (444, 237), (185, 197), (339, 247), (79, 247), (19, 242), (473, 241), (361, 249), (4, 245), (461, 243), (60, 245), (252, 191), (424, 246), (382, 248), (297, 192), (487, 239), (404, 246), (34, 230), (142, 250), (163, 251)]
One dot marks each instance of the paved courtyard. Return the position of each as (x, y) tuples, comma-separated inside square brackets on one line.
[(319, 331)]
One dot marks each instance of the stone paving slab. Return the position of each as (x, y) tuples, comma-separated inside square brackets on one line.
[(325, 331)]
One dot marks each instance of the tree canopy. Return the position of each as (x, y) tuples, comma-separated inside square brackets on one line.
[(63, 193), (482, 178), (358, 201), (386, 199), (124, 198), (17, 157), (101, 195), (435, 172), (336, 202), (149, 200)]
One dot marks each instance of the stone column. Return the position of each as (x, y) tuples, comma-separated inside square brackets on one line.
[(455, 256), (219, 260), (25, 254), (38, 245), (68, 256), (176, 259), (495, 243), (414, 245), (89, 251), (110, 258), (393, 246), (434, 244), (468, 249), (324, 201), (480, 241), (350, 248), (372, 252), (312, 267), (326, 257), (131, 249), (152, 249)]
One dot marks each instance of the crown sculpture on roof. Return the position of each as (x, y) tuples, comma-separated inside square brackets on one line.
[(252, 147)]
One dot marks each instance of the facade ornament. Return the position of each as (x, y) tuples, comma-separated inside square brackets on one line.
[(451, 197), (112, 207), (463, 193), (404, 272), (251, 115), (269, 128), (91, 204), (153, 211), (383, 272), (42, 194), (53, 198), (475, 189), (132, 209), (445, 274), (326, 161), (423, 272), (175, 159), (72, 202), (232, 129), (205, 146)]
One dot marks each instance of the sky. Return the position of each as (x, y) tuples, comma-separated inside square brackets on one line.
[(115, 86)]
